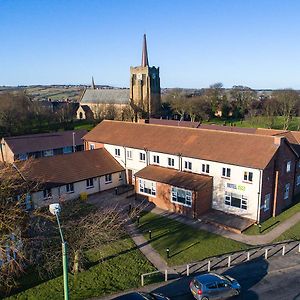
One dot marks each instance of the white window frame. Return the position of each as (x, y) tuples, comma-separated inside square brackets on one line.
[(70, 188), (288, 166), (129, 154), (22, 156), (248, 176), (286, 191), (205, 168), (226, 172), (147, 185), (156, 159), (171, 162), (243, 198), (92, 146), (117, 152), (120, 176), (188, 196), (142, 156), (108, 178), (89, 183), (188, 165), (267, 202), (47, 194)]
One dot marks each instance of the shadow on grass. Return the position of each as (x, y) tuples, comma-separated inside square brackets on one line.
[(267, 228)]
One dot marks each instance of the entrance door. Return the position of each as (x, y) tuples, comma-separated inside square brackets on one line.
[(129, 176)]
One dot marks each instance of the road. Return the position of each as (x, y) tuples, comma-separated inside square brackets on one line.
[(277, 280), (274, 279)]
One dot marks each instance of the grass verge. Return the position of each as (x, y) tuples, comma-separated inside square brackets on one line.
[(186, 243)]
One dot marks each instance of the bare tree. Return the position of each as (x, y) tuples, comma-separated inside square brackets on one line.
[(287, 100)]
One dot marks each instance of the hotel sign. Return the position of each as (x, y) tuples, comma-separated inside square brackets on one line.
[(234, 186)]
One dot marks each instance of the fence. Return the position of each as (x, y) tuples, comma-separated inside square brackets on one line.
[(228, 260)]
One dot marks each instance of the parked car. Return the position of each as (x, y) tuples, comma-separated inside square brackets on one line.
[(142, 296), (212, 286)]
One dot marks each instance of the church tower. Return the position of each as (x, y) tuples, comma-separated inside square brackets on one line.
[(145, 87)]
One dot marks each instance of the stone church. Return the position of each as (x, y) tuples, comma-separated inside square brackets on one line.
[(141, 100)]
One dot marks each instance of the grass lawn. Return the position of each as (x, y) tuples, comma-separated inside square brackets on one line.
[(271, 223), (291, 234), (186, 244), (258, 122), (116, 268), (88, 126)]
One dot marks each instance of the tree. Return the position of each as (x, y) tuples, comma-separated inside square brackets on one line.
[(178, 102), (215, 94), (270, 111), (241, 98), (14, 223), (287, 100)]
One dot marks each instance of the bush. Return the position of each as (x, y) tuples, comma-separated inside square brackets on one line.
[(83, 196)]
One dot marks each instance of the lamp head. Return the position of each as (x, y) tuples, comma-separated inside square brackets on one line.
[(55, 208)]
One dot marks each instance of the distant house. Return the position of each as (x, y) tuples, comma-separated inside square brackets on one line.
[(94, 103), (65, 177), (40, 145)]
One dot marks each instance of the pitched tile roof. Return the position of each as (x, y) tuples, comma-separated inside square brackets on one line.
[(186, 180), (242, 149), (62, 169), (44, 141), (120, 96)]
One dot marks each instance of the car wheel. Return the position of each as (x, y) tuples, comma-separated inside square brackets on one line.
[(204, 298)]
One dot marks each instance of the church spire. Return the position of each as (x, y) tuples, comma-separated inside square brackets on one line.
[(145, 62), (93, 83)]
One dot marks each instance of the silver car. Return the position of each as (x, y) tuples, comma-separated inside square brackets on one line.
[(212, 286)]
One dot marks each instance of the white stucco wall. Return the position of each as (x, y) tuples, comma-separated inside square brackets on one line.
[(60, 193), (234, 184)]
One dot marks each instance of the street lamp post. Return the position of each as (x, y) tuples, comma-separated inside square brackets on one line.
[(55, 210)]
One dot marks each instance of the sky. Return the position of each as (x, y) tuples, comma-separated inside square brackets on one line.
[(195, 43)]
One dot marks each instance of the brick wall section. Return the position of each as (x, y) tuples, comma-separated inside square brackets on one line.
[(201, 201), (278, 163)]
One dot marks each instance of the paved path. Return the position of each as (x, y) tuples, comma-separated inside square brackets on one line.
[(247, 239)]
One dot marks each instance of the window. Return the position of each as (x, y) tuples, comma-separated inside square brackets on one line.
[(205, 168), (142, 156), (120, 176), (22, 156), (286, 191), (68, 149), (236, 200), (299, 164), (181, 196), (156, 159), (70, 188), (129, 154), (188, 165), (48, 152), (108, 178), (226, 172), (267, 202), (92, 146), (117, 152), (90, 183), (298, 180), (170, 162), (248, 176), (288, 166), (147, 187), (47, 193)]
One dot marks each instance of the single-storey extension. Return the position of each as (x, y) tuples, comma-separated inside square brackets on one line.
[(65, 177)]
